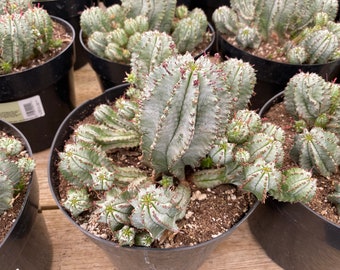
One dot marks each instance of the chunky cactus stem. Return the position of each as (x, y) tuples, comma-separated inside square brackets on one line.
[(304, 23), (25, 32), (114, 32), (16, 167)]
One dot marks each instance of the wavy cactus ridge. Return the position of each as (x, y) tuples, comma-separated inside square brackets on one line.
[(150, 51), (307, 95), (297, 185), (160, 13), (184, 103), (317, 149)]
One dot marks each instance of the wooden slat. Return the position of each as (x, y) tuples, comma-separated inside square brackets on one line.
[(73, 250)]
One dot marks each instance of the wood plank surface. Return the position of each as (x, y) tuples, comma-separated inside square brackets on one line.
[(72, 250)]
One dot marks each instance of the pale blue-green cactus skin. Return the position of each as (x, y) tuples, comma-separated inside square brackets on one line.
[(302, 23), (123, 24), (26, 31), (16, 166)]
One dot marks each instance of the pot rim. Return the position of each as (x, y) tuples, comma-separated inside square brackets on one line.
[(245, 52), (12, 130), (69, 29), (276, 99), (52, 164)]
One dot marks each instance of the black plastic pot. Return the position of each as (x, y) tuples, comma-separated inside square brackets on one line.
[(110, 74), (293, 235), (26, 245), (272, 77), (50, 88), (69, 10), (128, 258)]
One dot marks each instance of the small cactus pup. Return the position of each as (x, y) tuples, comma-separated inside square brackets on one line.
[(296, 32), (26, 32), (112, 32), (16, 168)]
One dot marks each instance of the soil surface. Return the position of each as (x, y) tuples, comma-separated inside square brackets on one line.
[(278, 115), (211, 212)]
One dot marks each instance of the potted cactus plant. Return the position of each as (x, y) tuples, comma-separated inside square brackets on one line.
[(21, 228), (109, 34), (280, 38), (305, 235), (36, 70), (69, 10), (142, 166)]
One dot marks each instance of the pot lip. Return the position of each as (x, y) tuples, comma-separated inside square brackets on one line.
[(52, 163), (275, 99), (210, 28), (220, 35), (69, 29), (12, 130)]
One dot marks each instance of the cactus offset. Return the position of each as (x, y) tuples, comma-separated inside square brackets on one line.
[(26, 32), (113, 33), (305, 28), (15, 167)]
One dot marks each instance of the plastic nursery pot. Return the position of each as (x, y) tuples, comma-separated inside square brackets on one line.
[(293, 235), (129, 258), (69, 10), (272, 77), (26, 245), (38, 99), (110, 74)]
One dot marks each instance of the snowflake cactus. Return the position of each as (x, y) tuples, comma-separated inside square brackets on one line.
[(308, 25), (113, 33), (309, 98), (25, 32), (181, 113), (15, 167)]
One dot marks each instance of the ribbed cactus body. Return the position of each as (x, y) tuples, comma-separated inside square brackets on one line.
[(304, 23), (160, 13), (310, 98), (16, 39), (151, 50), (25, 32), (94, 19), (15, 166), (317, 149), (180, 114), (335, 197)]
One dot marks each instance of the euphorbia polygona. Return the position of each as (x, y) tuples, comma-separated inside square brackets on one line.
[(26, 31), (187, 114), (113, 32), (305, 29), (15, 168)]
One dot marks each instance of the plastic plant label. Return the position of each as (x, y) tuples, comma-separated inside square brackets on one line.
[(22, 110)]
